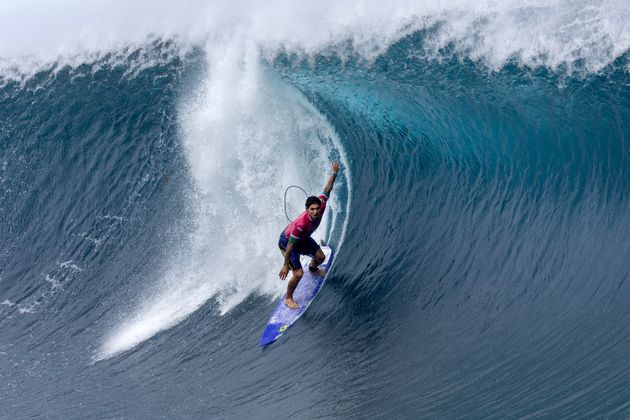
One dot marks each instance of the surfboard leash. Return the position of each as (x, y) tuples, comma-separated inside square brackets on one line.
[(285, 198)]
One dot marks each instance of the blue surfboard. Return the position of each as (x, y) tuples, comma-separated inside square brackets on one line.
[(308, 288)]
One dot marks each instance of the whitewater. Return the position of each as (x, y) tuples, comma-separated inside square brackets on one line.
[(480, 218)]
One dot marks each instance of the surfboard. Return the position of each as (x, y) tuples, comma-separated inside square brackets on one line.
[(308, 288)]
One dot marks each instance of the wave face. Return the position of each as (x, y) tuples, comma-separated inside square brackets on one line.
[(480, 222)]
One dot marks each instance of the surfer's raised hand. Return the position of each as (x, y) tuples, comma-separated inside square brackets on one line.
[(331, 181), (283, 272)]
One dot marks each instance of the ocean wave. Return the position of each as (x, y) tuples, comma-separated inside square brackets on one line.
[(480, 222), (561, 34)]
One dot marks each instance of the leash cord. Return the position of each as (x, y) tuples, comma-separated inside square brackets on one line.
[(285, 199)]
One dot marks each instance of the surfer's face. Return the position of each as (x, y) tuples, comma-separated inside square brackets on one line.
[(314, 211)]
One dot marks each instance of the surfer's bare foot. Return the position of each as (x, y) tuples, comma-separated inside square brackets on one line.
[(291, 303), (320, 272)]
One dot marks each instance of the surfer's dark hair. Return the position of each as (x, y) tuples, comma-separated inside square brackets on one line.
[(313, 200)]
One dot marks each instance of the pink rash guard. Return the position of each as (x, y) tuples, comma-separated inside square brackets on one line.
[(303, 226)]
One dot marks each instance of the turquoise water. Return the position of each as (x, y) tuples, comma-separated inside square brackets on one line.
[(480, 223)]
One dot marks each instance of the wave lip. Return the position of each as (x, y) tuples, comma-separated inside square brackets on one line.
[(582, 35)]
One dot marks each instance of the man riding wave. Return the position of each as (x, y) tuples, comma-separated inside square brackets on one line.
[(295, 240)]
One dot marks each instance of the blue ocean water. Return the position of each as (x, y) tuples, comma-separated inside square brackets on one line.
[(480, 224)]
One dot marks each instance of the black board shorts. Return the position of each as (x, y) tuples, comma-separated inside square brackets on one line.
[(306, 246)]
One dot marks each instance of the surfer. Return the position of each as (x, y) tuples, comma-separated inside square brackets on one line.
[(295, 240)]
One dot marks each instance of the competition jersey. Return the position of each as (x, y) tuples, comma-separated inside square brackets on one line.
[(303, 226)]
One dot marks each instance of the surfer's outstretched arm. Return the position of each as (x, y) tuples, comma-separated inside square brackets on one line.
[(331, 181)]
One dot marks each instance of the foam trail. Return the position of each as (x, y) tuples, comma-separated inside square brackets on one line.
[(247, 136)]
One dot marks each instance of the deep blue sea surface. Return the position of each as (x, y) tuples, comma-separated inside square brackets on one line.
[(481, 224)]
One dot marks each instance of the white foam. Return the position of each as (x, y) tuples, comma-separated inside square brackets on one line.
[(54, 283), (247, 136), (534, 32), (70, 264)]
